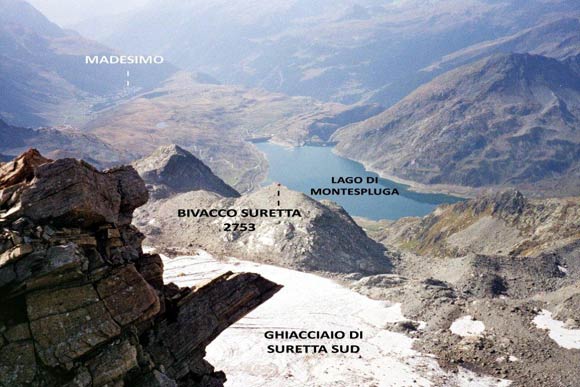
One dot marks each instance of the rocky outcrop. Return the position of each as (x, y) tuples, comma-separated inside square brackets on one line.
[(171, 169), (503, 224), (324, 238), (82, 305), (499, 259)]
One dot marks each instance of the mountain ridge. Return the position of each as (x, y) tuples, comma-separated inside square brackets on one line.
[(60, 143), (558, 39), (510, 119)]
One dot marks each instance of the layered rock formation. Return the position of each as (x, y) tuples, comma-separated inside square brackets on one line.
[(82, 305), (171, 169)]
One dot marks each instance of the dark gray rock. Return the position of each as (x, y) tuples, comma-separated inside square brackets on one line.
[(171, 169)]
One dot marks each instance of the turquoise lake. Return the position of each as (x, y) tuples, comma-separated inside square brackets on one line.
[(304, 168)]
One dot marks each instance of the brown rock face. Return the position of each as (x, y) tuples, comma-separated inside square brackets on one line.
[(81, 304), (21, 168)]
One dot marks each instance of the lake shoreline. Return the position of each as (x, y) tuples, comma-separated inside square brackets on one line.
[(302, 168), (444, 189)]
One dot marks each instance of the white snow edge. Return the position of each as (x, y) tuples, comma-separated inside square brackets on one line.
[(467, 326), (565, 338)]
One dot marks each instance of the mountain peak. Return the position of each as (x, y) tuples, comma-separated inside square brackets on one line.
[(321, 237), (171, 169), (168, 151)]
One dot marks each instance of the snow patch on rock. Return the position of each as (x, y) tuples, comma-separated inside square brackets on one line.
[(467, 326), (562, 269), (566, 338)]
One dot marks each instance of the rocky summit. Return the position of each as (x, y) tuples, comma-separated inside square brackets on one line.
[(82, 304), (171, 169), (323, 238)]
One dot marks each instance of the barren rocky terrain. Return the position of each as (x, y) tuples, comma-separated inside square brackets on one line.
[(490, 284), (498, 262), (479, 98), (320, 237)]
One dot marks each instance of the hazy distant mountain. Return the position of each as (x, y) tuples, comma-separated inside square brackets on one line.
[(346, 50), (558, 39), (55, 144), (510, 119), (43, 75), (68, 12)]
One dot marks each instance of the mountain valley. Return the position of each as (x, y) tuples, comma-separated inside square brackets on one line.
[(346, 51), (216, 122)]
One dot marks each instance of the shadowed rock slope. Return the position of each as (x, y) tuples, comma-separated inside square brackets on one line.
[(508, 120), (171, 169), (82, 305)]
